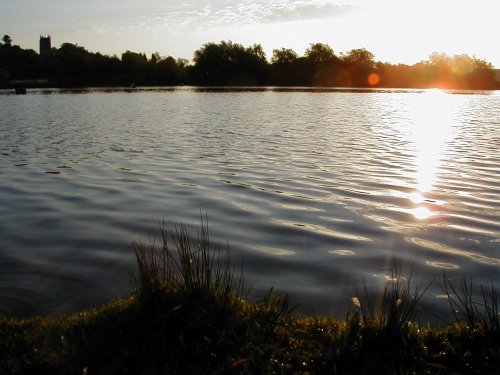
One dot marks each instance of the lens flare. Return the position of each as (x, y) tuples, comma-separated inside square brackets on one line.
[(373, 79)]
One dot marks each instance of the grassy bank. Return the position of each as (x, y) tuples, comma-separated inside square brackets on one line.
[(188, 315)]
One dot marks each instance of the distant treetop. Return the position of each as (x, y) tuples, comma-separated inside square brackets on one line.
[(228, 63)]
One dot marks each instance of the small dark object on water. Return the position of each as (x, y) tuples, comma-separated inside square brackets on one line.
[(20, 91)]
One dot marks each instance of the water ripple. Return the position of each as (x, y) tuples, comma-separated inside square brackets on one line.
[(315, 189)]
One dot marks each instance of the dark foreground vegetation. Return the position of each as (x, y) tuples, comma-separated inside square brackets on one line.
[(231, 64), (188, 315)]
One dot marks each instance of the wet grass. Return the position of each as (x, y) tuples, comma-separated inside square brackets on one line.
[(188, 314)]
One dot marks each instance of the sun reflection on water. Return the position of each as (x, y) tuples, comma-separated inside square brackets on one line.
[(422, 213), (431, 121)]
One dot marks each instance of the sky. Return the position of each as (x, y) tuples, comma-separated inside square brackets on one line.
[(396, 31)]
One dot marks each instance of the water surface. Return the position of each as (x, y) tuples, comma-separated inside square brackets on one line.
[(315, 190)]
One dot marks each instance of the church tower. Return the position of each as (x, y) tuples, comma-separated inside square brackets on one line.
[(45, 45)]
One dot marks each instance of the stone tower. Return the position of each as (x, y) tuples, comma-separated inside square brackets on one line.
[(45, 45)]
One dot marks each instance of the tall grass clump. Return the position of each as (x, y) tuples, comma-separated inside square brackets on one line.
[(398, 306), (198, 299), (186, 265), (471, 343), (382, 333), (483, 314)]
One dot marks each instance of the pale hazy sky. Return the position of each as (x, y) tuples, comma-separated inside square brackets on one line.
[(394, 30)]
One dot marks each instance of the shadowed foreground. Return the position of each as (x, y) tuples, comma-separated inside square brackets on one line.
[(188, 315)]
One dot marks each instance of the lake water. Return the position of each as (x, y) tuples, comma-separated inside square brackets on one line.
[(315, 191)]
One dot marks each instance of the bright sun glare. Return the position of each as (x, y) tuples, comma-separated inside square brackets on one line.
[(432, 117), (431, 124)]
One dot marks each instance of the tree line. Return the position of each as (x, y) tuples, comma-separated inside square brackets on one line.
[(232, 64)]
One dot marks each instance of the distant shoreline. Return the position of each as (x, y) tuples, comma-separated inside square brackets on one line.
[(34, 85), (234, 65)]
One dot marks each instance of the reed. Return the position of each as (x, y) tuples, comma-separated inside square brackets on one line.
[(382, 331), (398, 306), (480, 314), (186, 265)]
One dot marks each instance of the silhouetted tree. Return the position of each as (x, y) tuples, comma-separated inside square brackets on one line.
[(481, 76), (106, 70), (71, 65), (257, 51), (212, 63), (7, 40), (228, 63), (284, 56), (288, 69), (134, 60), (182, 63), (320, 53), (16, 63), (155, 57), (399, 75), (358, 64), (322, 66), (169, 71), (360, 57), (135, 67), (254, 67)]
